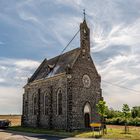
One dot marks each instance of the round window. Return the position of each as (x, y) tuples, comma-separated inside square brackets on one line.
[(86, 81)]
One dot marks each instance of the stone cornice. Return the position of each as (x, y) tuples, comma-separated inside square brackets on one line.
[(45, 79)]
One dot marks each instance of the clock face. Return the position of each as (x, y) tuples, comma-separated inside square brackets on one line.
[(86, 81)]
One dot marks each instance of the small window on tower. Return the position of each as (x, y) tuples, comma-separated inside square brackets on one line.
[(85, 31), (83, 50)]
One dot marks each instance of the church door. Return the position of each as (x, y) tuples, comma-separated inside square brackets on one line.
[(87, 120)]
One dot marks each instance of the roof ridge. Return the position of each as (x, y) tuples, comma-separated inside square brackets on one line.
[(64, 59), (63, 54)]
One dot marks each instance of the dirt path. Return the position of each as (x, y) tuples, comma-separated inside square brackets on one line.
[(12, 135), (7, 135)]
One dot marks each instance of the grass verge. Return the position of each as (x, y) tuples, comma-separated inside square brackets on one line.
[(61, 133), (113, 132)]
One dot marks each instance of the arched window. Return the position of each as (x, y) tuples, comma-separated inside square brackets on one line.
[(59, 102), (34, 105), (46, 104), (26, 107), (87, 108)]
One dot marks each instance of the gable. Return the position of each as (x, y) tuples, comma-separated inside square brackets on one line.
[(85, 64)]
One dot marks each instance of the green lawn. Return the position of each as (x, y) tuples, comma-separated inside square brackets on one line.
[(41, 131), (113, 132), (118, 133)]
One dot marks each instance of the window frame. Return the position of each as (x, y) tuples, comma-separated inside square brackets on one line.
[(59, 102)]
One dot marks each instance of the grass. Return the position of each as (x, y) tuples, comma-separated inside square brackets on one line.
[(62, 133), (117, 132), (113, 132)]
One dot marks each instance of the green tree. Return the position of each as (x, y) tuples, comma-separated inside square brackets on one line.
[(111, 113), (101, 107), (126, 113), (135, 112)]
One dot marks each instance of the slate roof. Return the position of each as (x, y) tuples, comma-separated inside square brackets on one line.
[(56, 65)]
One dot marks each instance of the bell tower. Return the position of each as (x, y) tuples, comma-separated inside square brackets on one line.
[(84, 36)]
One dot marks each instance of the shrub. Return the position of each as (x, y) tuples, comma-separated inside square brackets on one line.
[(121, 121)]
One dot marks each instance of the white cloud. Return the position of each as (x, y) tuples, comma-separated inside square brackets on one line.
[(72, 3), (30, 17), (121, 70), (2, 80), (15, 72), (122, 34), (116, 99), (13, 76), (112, 24), (10, 100), (121, 65), (27, 64)]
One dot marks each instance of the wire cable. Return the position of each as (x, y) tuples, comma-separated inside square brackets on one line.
[(66, 47), (136, 91), (64, 50)]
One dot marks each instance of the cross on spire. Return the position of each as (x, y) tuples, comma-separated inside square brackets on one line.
[(84, 13)]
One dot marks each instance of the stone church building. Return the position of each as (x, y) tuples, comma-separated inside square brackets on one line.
[(63, 91)]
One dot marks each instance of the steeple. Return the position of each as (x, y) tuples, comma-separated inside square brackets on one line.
[(84, 35)]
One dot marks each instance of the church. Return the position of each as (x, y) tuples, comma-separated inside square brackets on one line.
[(64, 90)]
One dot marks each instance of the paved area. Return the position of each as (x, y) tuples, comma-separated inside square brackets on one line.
[(12, 135)]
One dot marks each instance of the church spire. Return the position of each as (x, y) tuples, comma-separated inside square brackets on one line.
[(84, 35)]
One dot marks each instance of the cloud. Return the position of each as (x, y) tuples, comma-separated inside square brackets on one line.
[(2, 80), (15, 72), (24, 16), (32, 30), (71, 3), (117, 98), (10, 100), (30, 64), (119, 35), (121, 70), (13, 76)]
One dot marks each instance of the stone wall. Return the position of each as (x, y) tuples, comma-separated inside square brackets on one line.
[(47, 87), (80, 94), (75, 96)]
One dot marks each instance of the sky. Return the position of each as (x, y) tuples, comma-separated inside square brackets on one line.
[(31, 30)]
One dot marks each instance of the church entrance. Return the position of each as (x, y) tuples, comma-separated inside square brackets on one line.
[(87, 120), (87, 115)]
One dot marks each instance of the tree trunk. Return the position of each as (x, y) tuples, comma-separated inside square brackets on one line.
[(125, 128), (102, 120)]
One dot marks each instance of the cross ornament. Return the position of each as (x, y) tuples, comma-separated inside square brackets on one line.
[(84, 13)]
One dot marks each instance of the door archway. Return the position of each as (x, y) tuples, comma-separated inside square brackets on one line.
[(87, 115)]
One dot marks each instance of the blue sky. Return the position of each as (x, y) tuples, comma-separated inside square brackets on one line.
[(31, 30)]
